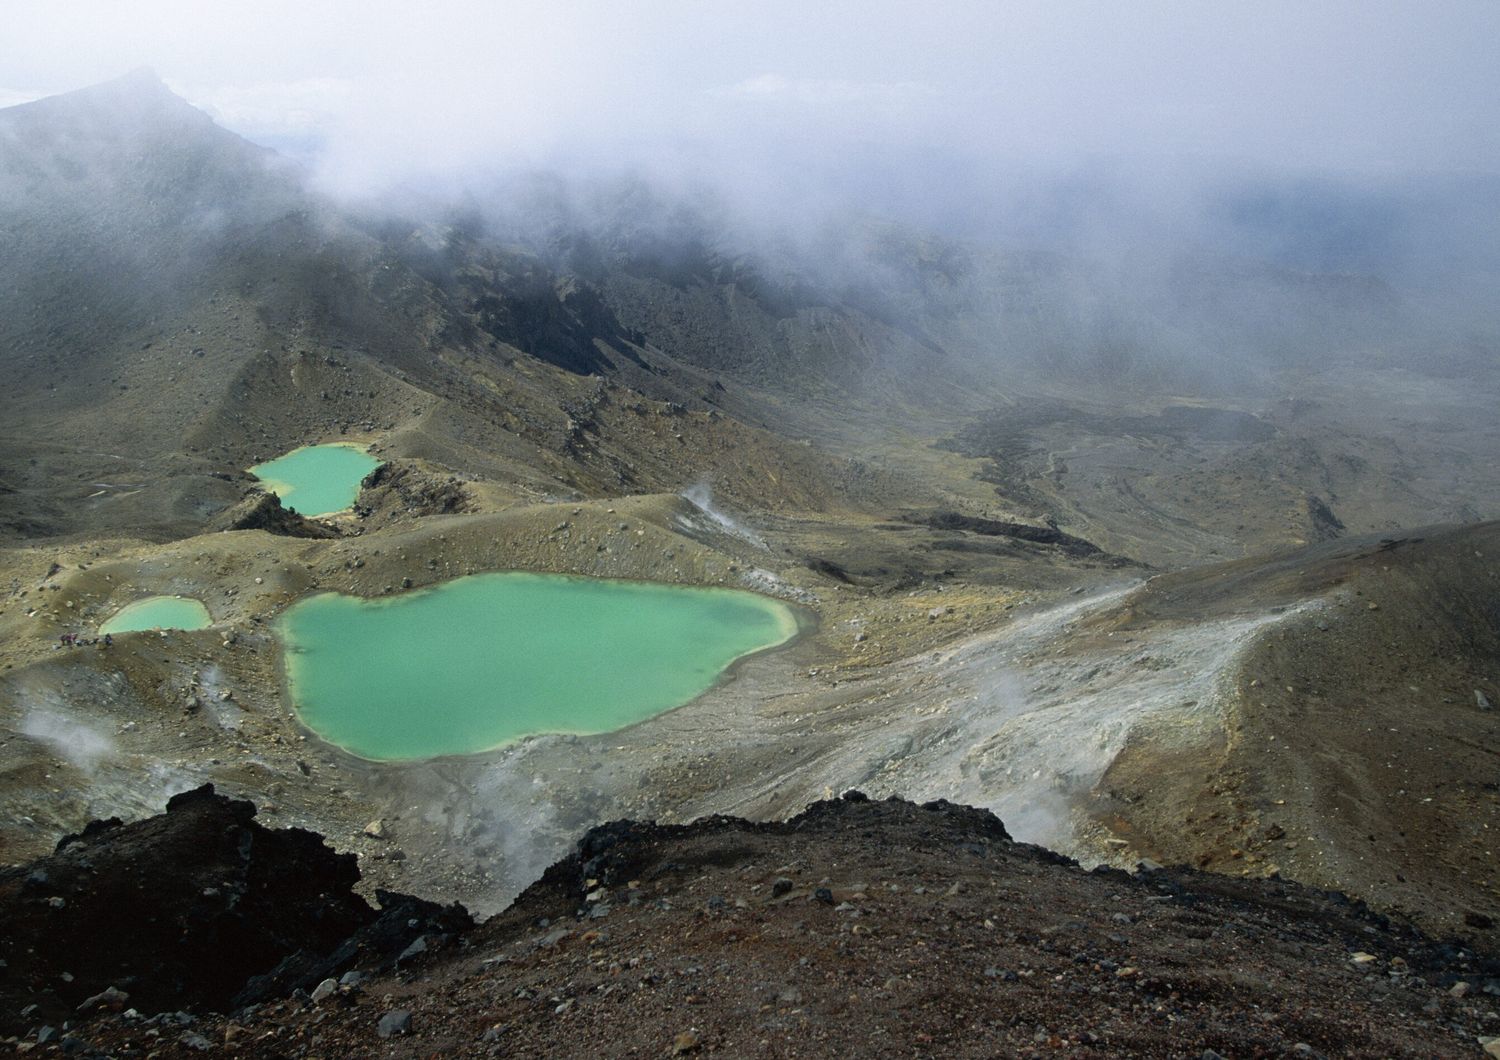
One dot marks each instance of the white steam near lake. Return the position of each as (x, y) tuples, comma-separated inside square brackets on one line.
[(67, 736)]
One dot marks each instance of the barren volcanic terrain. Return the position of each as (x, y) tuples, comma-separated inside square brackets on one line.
[(857, 927), (1244, 621)]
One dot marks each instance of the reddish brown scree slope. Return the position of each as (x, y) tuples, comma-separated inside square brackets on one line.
[(880, 928)]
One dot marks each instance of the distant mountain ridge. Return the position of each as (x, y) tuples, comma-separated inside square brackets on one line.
[(150, 195), (172, 295)]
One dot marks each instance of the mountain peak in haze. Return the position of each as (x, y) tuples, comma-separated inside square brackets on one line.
[(137, 94), (142, 79), (125, 189), (129, 132)]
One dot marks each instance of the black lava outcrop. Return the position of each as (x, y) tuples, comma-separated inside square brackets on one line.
[(863, 928), (613, 853), (260, 510), (1036, 535), (181, 910), (1325, 525)]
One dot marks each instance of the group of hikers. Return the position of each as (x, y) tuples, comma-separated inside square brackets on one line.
[(73, 640)]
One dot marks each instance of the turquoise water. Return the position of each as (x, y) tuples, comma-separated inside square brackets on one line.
[(159, 612), (479, 661), (317, 479)]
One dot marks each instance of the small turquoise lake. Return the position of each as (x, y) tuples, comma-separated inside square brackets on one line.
[(317, 479), (159, 612), (480, 661)]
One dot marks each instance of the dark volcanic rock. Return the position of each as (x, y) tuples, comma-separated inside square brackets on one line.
[(1325, 525), (555, 318), (394, 1023), (619, 851), (829, 569), (179, 910), (1039, 535), (921, 929), (405, 489), (402, 923), (261, 510), (911, 930)]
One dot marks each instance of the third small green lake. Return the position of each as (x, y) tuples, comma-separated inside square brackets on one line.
[(480, 661), (158, 612), (317, 479)]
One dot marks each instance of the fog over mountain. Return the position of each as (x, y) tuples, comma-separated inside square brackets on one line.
[(1340, 85), (925, 104), (1338, 137)]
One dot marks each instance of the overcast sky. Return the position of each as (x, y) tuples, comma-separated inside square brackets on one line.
[(391, 89)]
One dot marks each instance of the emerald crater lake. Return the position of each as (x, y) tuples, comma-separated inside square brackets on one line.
[(317, 479), (158, 612), (480, 661)]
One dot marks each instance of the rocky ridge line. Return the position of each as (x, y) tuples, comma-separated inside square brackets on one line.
[(855, 928)]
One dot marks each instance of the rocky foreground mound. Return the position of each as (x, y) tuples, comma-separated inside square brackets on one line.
[(858, 928), (199, 908)]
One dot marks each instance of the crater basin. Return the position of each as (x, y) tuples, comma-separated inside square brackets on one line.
[(317, 479), (480, 661)]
